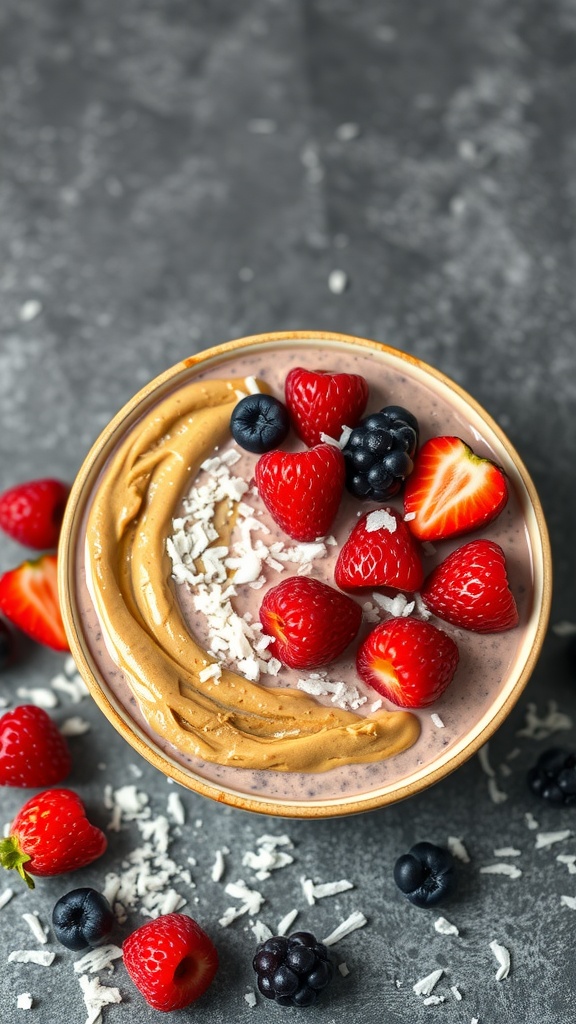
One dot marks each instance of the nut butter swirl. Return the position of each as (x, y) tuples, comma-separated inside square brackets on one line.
[(232, 721)]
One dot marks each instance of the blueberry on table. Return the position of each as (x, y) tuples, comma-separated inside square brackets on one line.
[(259, 423), (553, 777), (293, 969), (425, 874), (82, 918), (379, 453)]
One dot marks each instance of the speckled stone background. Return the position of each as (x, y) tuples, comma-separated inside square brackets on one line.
[(173, 175)]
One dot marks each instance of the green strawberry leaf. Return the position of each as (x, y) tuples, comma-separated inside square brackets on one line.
[(12, 858)]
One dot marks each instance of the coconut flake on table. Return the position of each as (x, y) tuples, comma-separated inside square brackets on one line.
[(351, 924), (251, 902), (250, 998), (175, 808), (74, 686), (41, 957), (286, 922), (24, 1001), (564, 628), (456, 993), (568, 901), (261, 931), (444, 927), (510, 870), (100, 958), (507, 851), (503, 957), (38, 695), (38, 930), (540, 728), (96, 997), (267, 859), (5, 896), (218, 867), (425, 985), (344, 969), (545, 839), (337, 281), (458, 849), (569, 859), (317, 891), (75, 726), (531, 822)]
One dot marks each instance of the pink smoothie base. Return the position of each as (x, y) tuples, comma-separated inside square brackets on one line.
[(493, 668)]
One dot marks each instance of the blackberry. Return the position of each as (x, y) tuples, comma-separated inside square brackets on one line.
[(379, 453), (292, 969), (425, 874), (259, 423), (82, 918), (553, 777)]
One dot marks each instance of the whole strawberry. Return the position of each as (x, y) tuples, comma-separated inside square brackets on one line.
[(470, 589), (171, 960), (302, 490), (408, 661), (32, 512), (323, 403), (33, 751), (312, 623), (29, 599), (380, 552), (51, 835)]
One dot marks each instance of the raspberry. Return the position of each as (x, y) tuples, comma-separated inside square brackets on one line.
[(553, 777), (379, 453), (292, 969), (171, 960)]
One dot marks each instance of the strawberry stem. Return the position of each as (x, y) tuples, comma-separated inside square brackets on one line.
[(12, 857)]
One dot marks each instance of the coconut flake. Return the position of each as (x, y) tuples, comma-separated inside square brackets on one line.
[(344, 970), (568, 901), (75, 726), (569, 859), (424, 986), (337, 281), (456, 993), (96, 997), (501, 869), (531, 822), (250, 999), (503, 957), (286, 922), (218, 867), (354, 921), (540, 728), (6, 896), (24, 1001), (42, 957), (545, 839), (261, 931), (443, 927), (38, 930), (507, 851), (175, 808), (380, 519), (437, 720), (458, 849), (99, 959), (38, 695)]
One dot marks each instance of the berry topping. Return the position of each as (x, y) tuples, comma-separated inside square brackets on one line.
[(470, 589), (425, 874), (292, 969), (31, 513), (379, 453), (408, 661), (29, 599), (324, 403), (312, 623), (33, 752), (302, 490), (171, 960), (82, 918), (259, 423), (51, 835), (553, 777), (380, 552), (452, 491)]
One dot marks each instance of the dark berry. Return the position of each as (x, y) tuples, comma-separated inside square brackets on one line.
[(553, 777), (292, 970), (82, 918), (7, 645), (571, 654), (379, 453), (259, 423), (425, 874)]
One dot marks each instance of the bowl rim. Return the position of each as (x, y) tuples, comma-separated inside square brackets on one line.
[(325, 807)]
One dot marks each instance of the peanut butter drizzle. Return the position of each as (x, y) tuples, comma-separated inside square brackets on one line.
[(231, 721)]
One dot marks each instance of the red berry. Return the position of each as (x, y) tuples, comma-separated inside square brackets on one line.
[(452, 490), (470, 589), (323, 403), (408, 661), (302, 490), (312, 623), (51, 835), (29, 599), (171, 960), (31, 513), (33, 751), (380, 552)]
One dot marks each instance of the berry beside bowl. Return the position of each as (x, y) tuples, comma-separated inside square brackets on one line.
[(258, 464)]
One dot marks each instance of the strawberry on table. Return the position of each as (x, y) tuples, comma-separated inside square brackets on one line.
[(470, 589), (380, 552), (33, 751), (408, 661), (320, 402), (171, 960), (32, 512), (312, 623), (29, 599), (452, 490), (51, 835), (302, 490)]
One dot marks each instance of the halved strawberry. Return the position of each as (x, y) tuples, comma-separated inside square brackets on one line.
[(29, 599), (321, 402), (470, 589), (380, 552), (408, 661), (312, 623), (302, 490), (452, 490)]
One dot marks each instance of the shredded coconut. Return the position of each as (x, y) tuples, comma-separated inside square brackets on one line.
[(443, 927), (507, 851), (437, 720), (501, 869), (540, 728), (38, 930), (337, 281), (569, 859), (99, 959), (344, 971), (354, 921), (6, 896), (175, 808), (250, 999), (503, 957), (380, 519), (424, 986), (38, 695), (568, 901), (315, 892), (75, 726), (96, 997), (218, 867), (286, 922), (42, 957), (458, 850), (24, 1001), (544, 839), (456, 993)]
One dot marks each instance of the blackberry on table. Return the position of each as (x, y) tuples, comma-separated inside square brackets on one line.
[(553, 777), (379, 453), (292, 969)]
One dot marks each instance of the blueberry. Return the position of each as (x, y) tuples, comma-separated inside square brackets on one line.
[(82, 918), (259, 423), (553, 777), (425, 874)]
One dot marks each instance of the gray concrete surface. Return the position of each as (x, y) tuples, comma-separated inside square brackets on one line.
[(175, 175)]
